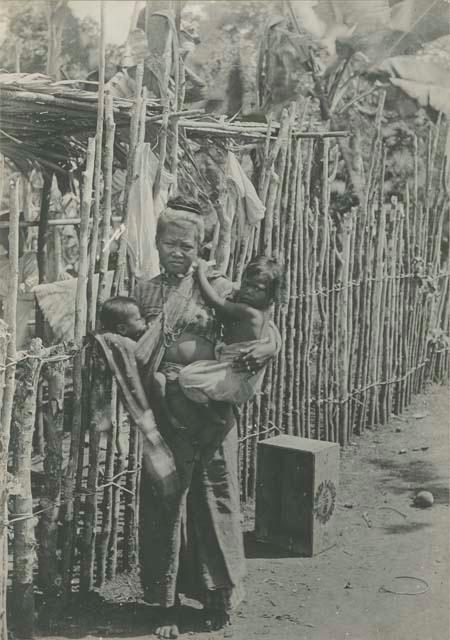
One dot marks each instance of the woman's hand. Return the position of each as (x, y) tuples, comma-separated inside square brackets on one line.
[(253, 358)]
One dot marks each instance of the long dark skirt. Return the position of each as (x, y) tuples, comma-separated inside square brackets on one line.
[(194, 545)]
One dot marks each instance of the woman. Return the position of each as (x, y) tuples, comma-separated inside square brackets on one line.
[(193, 544)]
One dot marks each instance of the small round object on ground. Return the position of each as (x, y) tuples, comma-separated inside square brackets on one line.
[(424, 499)]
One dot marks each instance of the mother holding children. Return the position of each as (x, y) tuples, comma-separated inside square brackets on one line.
[(200, 349)]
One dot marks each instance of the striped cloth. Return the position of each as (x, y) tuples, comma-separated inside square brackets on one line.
[(120, 355)]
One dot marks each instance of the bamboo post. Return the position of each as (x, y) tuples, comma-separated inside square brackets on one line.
[(91, 301), (131, 516), (377, 308), (24, 545), (49, 571), (310, 266), (70, 520), (39, 441), (291, 251), (7, 388), (2, 177), (42, 244), (342, 336), (4, 448), (162, 153), (308, 293), (105, 230), (97, 387), (321, 264), (119, 468), (107, 500), (119, 275)]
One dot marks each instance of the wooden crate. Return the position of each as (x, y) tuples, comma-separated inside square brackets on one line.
[(296, 494)]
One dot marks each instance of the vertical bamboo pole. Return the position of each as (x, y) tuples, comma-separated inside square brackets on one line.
[(269, 217), (308, 301), (42, 243), (333, 392), (292, 251), (165, 118), (49, 573), (298, 289), (4, 447), (107, 500), (131, 516), (39, 426), (91, 301), (283, 253), (7, 388), (350, 325), (376, 308), (318, 285), (88, 541), (119, 275), (312, 298), (24, 545), (342, 327), (70, 516), (110, 129), (2, 177), (111, 567), (261, 183)]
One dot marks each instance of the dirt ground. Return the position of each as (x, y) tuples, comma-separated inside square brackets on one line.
[(339, 594)]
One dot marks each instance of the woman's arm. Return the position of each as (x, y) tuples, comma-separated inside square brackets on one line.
[(257, 356)]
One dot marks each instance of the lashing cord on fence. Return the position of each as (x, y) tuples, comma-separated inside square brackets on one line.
[(81, 494), (43, 359), (358, 283)]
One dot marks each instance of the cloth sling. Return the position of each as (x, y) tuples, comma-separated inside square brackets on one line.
[(158, 460), (218, 380)]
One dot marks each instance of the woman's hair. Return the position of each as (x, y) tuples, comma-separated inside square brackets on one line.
[(181, 210), (269, 268), (116, 311)]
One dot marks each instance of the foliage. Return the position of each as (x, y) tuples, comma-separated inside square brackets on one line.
[(229, 33), (26, 25)]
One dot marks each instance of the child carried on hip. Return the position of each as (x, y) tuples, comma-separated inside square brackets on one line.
[(246, 319)]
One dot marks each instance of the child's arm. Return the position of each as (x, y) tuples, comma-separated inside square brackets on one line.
[(230, 309)]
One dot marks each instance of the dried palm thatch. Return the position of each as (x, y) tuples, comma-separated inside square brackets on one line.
[(48, 123)]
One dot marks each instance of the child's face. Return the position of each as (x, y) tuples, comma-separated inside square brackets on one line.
[(135, 325), (255, 291)]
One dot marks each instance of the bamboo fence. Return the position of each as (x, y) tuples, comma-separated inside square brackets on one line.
[(363, 318)]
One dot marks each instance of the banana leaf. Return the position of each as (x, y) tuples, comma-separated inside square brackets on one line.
[(420, 78)]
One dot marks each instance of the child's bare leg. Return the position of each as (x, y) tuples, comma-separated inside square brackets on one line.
[(159, 383), (159, 387)]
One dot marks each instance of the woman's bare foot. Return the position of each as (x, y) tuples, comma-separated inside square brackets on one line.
[(168, 628), (217, 619)]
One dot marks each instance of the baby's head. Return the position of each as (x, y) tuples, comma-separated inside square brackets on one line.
[(121, 315), (261, 282)]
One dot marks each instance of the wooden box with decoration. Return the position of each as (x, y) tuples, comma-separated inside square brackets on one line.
[(296, 494)]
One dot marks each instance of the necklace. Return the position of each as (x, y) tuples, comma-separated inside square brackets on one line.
[(170, 334)]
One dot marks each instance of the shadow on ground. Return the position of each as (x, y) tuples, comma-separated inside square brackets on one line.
[(420, 474), (109, 619)]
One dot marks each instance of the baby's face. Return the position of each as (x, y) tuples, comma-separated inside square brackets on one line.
[(135, 325)]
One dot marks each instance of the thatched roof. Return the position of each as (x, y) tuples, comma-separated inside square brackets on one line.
[(48, 122)]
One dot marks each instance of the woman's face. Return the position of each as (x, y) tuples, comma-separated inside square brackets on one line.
[(177, 247)]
